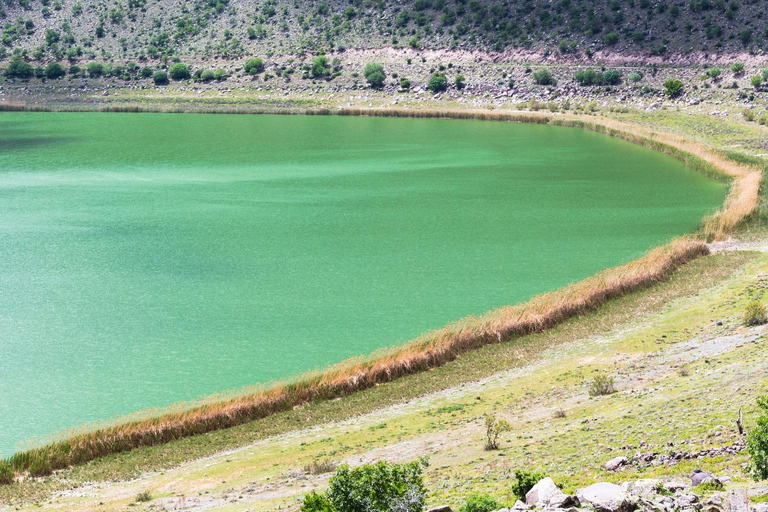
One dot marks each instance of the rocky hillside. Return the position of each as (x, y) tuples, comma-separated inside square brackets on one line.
[(46, 30)]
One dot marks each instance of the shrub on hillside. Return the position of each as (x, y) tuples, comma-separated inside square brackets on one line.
[(612, 77), (542, 76), (95, 69), (477, 502), (405, 84), (755, 314), (160, 77), (438, 83), (206, 76), (494, 427), (374, 74), (714, 72), (588, 77), (54, 70), (253, 66), (460, 82), (146, 72), (524, 482), (756, 81), (737, 67), (757, 442), (380, 487), (673, 88), (18, 68), (601, 385), (179, 71), (320, 67), (634, 77)]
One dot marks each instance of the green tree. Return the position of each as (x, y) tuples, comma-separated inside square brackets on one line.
[(374, 74), (18, 68), (320, 66), (612, 77), (380, 487), (438, 83), (54, 70), (588, 77), (673, 87), (253, 66), (160, 77), (757, 442), (542, 76), (179, 71), (460, 82)]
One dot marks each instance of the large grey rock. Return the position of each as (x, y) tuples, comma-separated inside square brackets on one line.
[(542, 492), (519, 506), (616, 463), (702, 477), (561, 500), (607, 497)]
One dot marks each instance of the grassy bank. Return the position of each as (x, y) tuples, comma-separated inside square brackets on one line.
[(436, 348)]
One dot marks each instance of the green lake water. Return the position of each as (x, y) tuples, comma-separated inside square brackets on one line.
[(147, 259)]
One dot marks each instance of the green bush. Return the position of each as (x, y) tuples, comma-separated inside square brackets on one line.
[(143, 497), (438, 83), (757, 442), (737, 67), (405, 84), (601, 385), (220, 74), (634, 77), (524, 482), (95, 69), (380, 487), (374, 74), (146, 72), (754, 313), (460, 82), (320, 67), (6, 473), (160, 77), (253, 66), (756, 81), (494, 427), (673, 88), (542, 76), (206, 76), (477, 502), (18, 68), (612, 77), (714, 72), (314, 502), (179, 71), (54, 70), (588, 77)]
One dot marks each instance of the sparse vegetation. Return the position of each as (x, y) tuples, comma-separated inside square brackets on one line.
[(144, 497), (494, 427), (757, 442), (755, 313), (601, 385), (477, 502)]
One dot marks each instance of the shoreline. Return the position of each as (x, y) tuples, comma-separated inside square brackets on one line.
[(441, 346)]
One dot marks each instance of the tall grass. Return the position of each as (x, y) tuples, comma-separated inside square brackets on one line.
[(432, 349)]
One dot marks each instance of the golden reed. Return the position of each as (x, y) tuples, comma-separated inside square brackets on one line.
[(434, 348)]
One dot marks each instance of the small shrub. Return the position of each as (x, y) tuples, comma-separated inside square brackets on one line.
[(524, 482), (160, 77), (673, 88), (146, 72), (320, 66), (737, 67), (460, 82), (588, 77), (438, 83), (206, 76), (684, 371), (494, 427), (634, 77), (748, 115), (320, 467), (220, 74), (612, 77), (757, 442), (559, 413), (477, 502), (756, 81), (6, 473), (542, 76), (374, 74), (143, 497), (253, 66), (405, 84), (18, 68), (714, 72), (601, 385), (755, 314), (179, 71)]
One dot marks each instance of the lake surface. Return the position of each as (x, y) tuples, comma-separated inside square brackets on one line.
[(147, 259)]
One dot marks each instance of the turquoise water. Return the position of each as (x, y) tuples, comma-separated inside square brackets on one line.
[(154, 258)]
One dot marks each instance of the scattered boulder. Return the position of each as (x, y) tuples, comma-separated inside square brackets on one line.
[(562, 501), (542, 492), (519, 506), (646, 488), (702, 477), (616, 463), (443, 508), (606, 497)]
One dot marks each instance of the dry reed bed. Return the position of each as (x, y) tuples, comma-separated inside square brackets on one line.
[(437, 347)]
